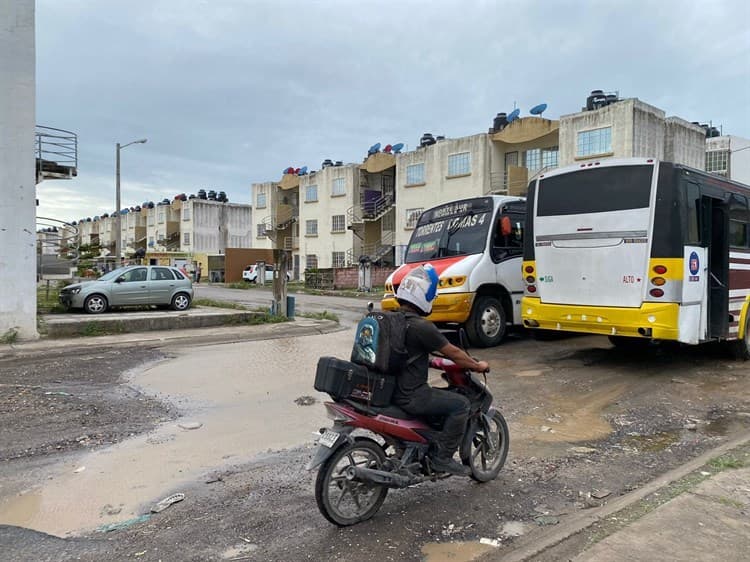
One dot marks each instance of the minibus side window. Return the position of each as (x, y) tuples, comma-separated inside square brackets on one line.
[(692, 214), (507, 236), (738, 219)]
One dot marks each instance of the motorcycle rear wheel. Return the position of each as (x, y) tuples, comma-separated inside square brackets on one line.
[(485, 451), (346, 502)]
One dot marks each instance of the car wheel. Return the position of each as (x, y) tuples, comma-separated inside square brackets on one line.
[(487, 325), (181, 301), (95, 304)]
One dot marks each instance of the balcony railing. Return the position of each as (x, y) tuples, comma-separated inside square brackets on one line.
[(56, 153)]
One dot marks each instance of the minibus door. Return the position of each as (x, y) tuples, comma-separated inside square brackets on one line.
[(714, 231)]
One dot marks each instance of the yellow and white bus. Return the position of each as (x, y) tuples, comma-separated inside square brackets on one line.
[(475, 245), (638, 248)]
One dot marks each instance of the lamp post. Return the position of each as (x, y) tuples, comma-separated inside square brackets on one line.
[(118, 224)]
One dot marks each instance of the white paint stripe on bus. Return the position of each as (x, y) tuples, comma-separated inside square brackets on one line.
[(739, 292), (741, 255), (739, 266)]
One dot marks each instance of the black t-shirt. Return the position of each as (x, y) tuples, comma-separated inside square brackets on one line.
[(422, 338)]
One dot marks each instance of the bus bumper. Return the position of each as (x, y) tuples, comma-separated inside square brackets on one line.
[(447, 307), (653, 320)]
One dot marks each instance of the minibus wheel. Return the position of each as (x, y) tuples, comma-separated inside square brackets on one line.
[(487, 324), (741, 347)]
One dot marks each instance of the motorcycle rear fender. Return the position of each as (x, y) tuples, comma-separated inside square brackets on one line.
[(322, 452)]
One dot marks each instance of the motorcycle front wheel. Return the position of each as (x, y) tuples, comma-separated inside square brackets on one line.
[(485, 449), (347, 502)]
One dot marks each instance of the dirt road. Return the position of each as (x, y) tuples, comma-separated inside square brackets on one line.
[(588, 423)]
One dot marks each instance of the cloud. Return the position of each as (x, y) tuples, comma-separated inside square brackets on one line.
[(231, 92)]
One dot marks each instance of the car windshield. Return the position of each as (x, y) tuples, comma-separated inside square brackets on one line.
[(112, 275)]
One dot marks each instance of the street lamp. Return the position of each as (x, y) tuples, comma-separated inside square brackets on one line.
[(118, 233)]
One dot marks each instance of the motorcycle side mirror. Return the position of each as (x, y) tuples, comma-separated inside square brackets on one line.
[(370, 306), (463, 340)]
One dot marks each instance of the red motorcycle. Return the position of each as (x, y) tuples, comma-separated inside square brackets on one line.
[(358, 467)]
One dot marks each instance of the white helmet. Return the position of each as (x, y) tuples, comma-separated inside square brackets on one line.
[(419, 288)]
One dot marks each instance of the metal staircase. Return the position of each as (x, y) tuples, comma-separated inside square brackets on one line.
[(374, 250), (373, 210)]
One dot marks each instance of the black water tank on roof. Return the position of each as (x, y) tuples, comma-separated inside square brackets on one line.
[(221, 196), (201, 194), (427, 140), (612, 98), (500, 121), (595, 95), (326, 163), (212, 195), (339, 162)]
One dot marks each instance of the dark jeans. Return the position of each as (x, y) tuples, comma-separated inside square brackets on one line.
[(436, 402)]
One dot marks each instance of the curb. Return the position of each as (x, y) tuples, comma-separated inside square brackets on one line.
[(193, 337), (536, 544)]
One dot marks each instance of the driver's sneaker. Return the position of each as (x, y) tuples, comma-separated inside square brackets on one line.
[(446, 464)]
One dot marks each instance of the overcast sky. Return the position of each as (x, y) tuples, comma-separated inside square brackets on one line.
[(231, 92)]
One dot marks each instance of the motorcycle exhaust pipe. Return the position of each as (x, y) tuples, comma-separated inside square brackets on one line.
[(382, 477)]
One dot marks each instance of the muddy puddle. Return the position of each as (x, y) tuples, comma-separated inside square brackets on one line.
[(237, 401)]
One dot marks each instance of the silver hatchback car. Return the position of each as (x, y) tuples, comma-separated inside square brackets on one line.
[(131, 286)]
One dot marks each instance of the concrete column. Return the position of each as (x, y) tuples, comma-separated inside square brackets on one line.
[(17, 169)]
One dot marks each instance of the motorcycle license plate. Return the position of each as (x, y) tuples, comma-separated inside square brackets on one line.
[(328, 438)]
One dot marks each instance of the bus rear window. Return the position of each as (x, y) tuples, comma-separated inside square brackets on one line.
[(597, 190)]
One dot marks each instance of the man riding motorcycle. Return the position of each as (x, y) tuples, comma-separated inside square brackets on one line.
[(413, 394)]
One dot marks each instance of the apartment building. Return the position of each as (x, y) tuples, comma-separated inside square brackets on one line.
[(728, 156)]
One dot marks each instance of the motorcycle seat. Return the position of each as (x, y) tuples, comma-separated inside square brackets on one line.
[(392, 410)]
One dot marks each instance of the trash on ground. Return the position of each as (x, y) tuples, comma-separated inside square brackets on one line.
[(491, 542), (58, 393), (79, 469), (582, 450), (166, 502), (600, 494), (122, 524), (544, 520), (190, 425), (305, 401)]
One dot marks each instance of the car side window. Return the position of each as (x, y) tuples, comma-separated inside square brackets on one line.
[(177, 273), (134, 275), (161, 274)]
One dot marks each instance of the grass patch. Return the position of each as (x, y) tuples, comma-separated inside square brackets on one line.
[(238, 285), (9, 337), (261, 316), (726, 462), (47, 301), (219, 304), (93, 329), (325, 315)]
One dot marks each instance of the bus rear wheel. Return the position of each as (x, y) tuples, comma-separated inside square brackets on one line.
[(741, 347), (487, 325)]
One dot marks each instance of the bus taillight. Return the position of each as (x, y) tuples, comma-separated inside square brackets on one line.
[(530, 279), (656, 293), (660, 269), (531, 288), (529, 269), (658, 281)]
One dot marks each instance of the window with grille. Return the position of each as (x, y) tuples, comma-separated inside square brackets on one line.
[(186, 238), (338, 259), (185, 212), (261, 200), (338, 187), (412, 216), (311, 193), (596, 141), (311, 227), (311, 262), (415, 174), (338, 223), (161, 215), (538, 158), (261, 230), (716, 161), (459, 164), (150, 220), (389, 222)]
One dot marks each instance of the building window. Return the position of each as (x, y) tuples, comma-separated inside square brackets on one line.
[(596, 141), (261, 230), (311, 262), (338, 187), (186, 213), (311, 227), (261, 200), (161, 215), (415, 174), (716, 162), (338, 259), (311, 193), (186, 238), (389, 222), (150, 220), (539, 158), (412, 216), (338, 223), (459, 164)]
